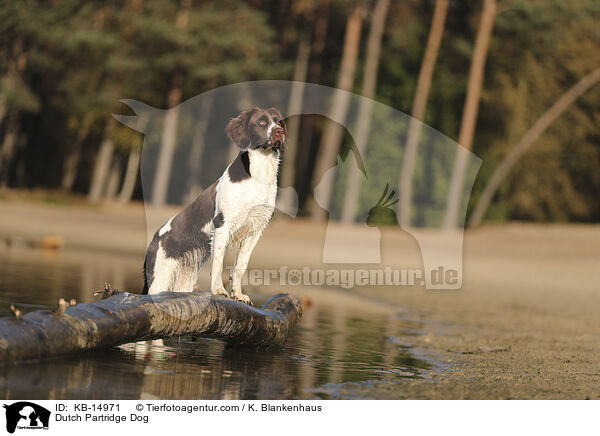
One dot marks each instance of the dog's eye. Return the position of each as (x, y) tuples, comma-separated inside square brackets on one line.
[(262, 123)]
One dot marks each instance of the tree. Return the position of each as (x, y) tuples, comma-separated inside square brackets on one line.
[(532, 135), (107, 167), (15, 96), (365, 109), (83, 97), (470, 110), (288, 171), (314, 75), (73, 158), (131, 173), (113, 181), (418, 111), (197, 149), (332, 134), (102, 163), (190, 52), (167, 146)]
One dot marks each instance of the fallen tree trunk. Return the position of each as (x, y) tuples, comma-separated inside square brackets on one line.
[(126, 317)]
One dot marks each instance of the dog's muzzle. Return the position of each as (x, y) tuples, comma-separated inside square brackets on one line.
[(277, 140)]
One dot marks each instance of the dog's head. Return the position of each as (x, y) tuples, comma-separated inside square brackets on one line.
[(258, 128)]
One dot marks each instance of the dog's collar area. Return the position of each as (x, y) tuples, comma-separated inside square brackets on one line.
[(276, 145), (266, 148)]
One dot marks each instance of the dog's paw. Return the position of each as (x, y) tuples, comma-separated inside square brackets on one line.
[(220, 291), (242, 297)]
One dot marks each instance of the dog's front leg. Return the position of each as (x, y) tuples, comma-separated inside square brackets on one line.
[(219, 245), (241, 263)]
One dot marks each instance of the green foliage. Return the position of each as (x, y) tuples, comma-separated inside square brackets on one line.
[(539, 50), (82, 57), (64, 66)]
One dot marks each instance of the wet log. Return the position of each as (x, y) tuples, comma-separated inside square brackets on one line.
[(126, 317)]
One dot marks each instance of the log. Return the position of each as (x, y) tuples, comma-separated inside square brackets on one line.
[(125, 317)]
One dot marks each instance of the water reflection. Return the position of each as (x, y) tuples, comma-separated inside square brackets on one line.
[(41, 277), (333, 343)]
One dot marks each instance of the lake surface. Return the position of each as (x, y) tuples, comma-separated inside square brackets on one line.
[(338, 340)]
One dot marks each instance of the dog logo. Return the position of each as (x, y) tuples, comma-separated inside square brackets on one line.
[(26, 415), (185, 150)]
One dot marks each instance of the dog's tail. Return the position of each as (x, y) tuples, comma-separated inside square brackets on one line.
[(146, 284), (149, 263)]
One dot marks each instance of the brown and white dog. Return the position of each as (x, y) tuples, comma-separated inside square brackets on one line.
[(233, 211)]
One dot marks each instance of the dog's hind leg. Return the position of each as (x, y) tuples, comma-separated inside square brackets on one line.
[(165, 271), (186, 279), (162, 282)]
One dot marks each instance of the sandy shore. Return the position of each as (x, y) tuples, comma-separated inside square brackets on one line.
[(524, 325)]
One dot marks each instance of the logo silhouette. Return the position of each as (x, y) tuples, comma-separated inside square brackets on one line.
[(26, 415), (184, 149), (382, 213)]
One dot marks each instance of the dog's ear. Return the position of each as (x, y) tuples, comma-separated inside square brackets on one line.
[(237, 130)]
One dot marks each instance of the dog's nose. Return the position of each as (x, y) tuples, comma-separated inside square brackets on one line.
[(278, 131)]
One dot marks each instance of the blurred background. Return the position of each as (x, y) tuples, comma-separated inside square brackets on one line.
[(514, 82), (480, 72)]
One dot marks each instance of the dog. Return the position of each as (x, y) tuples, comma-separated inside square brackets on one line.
[(232, 212)]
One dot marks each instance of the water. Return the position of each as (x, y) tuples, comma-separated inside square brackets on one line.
[(339, 340)]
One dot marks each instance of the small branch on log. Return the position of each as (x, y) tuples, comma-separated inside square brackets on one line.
[(107, 291), (126, 317)]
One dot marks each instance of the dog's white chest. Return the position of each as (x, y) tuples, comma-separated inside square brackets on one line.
[(248, 205), (264, 167)]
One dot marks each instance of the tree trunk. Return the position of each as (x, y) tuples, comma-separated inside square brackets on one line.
[(469, 118), (319, 40), (418, 111), (16, 66), (131, 174), (288, 168), (74, 156), (366, 107), (527, 141), (133, 162), (3, 106), (167, 146), (126, 317), (333, 132), (16, 63), (8, 149), (72, 161), (307, 127), (169, 138), (102, 163), (197, 149), (114, 179)]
